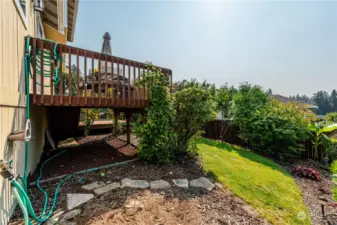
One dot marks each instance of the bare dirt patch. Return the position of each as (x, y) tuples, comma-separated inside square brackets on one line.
[(169, 206), (92, 151)]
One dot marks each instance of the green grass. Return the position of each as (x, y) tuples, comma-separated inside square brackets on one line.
[(334, 171), (259, 181)]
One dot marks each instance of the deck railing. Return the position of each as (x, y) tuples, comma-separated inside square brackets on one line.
[(70, 76)]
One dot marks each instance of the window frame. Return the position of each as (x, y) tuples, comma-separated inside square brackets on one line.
[(38, 22), (23, 13)]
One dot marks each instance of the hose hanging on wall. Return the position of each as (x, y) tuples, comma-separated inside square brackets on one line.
[(49, 57)]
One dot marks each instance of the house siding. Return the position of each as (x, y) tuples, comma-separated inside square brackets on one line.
[(13, 99)]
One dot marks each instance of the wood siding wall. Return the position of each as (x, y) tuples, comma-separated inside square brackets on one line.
[(12, 97)]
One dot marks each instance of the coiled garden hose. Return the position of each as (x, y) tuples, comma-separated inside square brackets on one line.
[(20, 192)]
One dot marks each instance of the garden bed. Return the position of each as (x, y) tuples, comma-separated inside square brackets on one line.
[(170, 206), (92, 151), (317, 193)]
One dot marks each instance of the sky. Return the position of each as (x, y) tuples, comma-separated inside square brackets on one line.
[(290, 47)]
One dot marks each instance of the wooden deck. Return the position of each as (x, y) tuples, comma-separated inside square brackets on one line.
[(91, 78)]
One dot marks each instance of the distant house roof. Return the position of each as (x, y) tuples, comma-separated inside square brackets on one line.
[(287, 100)]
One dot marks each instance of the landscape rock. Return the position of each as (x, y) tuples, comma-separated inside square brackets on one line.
[(74, 200), (132, 207), (69, 216), (94, 185), (159, 184), (135, 183), (107, 188), (202, 182), (55, 218), (183, 183)]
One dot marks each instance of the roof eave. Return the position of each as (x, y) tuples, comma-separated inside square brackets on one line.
[(73, 18)]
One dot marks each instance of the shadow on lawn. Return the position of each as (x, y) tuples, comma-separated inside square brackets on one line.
[(248, 154)]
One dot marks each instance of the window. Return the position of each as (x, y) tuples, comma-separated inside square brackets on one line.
[(39, 26), (21, 6)]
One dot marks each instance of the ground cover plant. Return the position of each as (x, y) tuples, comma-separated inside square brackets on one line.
[(259, 181)]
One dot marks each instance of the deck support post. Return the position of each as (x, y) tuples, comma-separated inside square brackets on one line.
[(128, 115), (116, 117)]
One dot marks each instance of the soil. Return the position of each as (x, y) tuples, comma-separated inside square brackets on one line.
[(316, 194), (165, 207), (92, 151)]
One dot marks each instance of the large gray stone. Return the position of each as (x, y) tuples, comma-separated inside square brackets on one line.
[(135, 183), (159, 184), (202, 182), (94, 185), (74, 200), (183, 183), (107, 188), (70, 216)]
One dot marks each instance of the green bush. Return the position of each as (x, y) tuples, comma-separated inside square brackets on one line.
[(155, 134), (331, 117), (173, 121), (193, 107), (276, 127), (89, 118)]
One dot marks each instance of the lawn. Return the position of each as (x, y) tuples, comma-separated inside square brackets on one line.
[(259, 181)]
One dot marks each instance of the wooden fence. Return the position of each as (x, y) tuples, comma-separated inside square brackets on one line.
[(227, 132)]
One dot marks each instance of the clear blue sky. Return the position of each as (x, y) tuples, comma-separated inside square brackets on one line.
[(290, 47)]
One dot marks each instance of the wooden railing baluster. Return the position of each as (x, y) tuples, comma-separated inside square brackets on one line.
[(106, 81), (78, 77), (129, 84), (52, 68), (41, 44), (138, 86), (118, 83), (85, 78), (112, 81), (61, 76), (144, 88), (134, 85), (92, 80), (123, 82), (69, 76), (99, 83), (34, 71)]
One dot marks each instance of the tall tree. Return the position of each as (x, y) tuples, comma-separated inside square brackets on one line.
[(333, 100), (322, 100)]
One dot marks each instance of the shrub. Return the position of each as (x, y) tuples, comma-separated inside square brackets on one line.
[(90, 116), (331, 117), (193, 107), (305, 172), (276, 127), (155, 134), (224, 98)]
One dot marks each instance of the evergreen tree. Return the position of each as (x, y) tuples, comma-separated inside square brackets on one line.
[(333, 100)]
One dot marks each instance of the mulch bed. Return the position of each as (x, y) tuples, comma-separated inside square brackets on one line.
[(171, 206), (92, 151), (314, 192)]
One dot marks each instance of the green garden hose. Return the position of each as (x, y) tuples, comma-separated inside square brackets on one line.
[(20, 192)]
